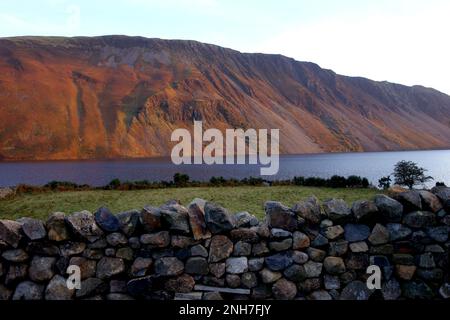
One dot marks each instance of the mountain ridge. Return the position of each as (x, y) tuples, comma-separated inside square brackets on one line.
[(120, 96)]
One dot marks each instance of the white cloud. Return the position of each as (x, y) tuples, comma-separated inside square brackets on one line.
[(409, 49)]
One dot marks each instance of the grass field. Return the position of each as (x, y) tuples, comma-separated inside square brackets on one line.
[(236, 199)]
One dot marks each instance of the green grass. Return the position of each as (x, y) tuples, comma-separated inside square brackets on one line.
[(236, 199)]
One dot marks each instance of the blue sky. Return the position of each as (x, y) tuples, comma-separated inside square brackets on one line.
[(397, 40)]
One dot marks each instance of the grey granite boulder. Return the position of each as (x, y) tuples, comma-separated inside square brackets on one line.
[(129, 221), (309, 210), (57, 289), (107, 221), (28, 290), (389, 208), (150, 219), (280, 216), (237, 265), (337, 210), (175, 217), (356, 290), (34, 229), (419, 219), (41, 268), (410, 200), (108, 267), (218, 219), (356, 232), (10, 232), (169, 266), (83, 224)]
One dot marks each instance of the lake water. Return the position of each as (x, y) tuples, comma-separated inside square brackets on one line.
[(372, 165)]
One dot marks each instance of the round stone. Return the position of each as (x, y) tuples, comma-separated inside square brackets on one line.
[(311, 269), (28, 290), (255, 264), (320, 295), (169, 266), (199, 250), (269, 276), (280, 245), (108, 267), (333, 232), (284, 290), (336, 209), (233, 280), (279, 261), (237, 265), (116, 239), (242, 248), (334, 265), (356, 290), (299, 257), (41, 268), (141, 266), (87, 267), (419, 219), (182, 284), (57, 289), (249, 280)]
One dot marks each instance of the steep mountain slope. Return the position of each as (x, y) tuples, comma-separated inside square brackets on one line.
[(117, 96)]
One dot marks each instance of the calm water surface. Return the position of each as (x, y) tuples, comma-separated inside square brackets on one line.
[(372, 165)]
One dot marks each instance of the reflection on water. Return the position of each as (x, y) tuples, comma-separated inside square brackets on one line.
[(372, 165)]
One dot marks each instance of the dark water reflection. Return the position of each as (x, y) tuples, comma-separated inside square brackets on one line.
[(372, 165)]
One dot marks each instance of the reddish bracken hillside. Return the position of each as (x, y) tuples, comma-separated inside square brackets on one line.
[(116, 96)]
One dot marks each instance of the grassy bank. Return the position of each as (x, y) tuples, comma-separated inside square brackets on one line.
[(243, 198)]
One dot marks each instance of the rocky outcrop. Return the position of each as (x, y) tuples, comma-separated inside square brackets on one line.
[(314, 251)]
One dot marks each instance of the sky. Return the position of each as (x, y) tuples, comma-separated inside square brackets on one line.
[(402, 41)]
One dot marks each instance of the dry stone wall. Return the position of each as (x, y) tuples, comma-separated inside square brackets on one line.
[(314, 251)]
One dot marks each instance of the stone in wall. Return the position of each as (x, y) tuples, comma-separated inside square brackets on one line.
[(312, 251)]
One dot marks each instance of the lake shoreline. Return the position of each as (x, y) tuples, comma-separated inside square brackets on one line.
[(167, 157), (372, 165)]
